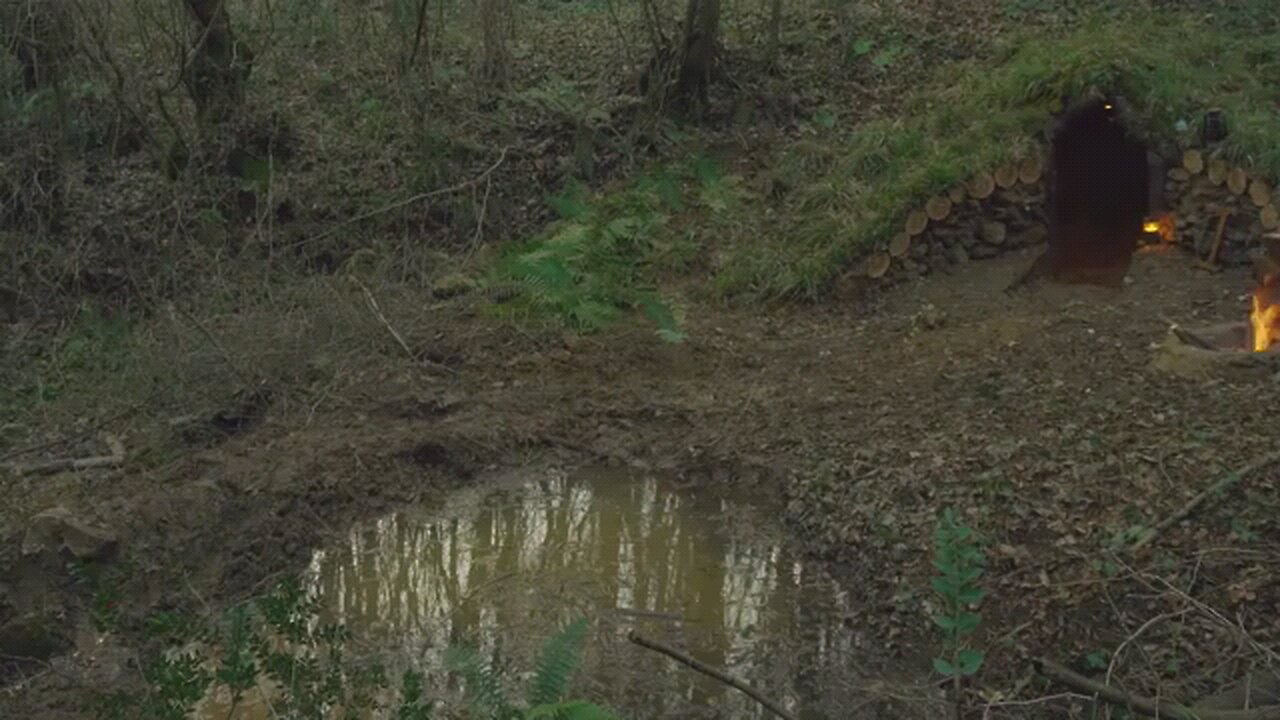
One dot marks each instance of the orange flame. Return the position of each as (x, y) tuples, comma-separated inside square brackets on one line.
[(1265, 321), (1162, 225)]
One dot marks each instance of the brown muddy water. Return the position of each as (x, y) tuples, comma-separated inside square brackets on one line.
[(502, 567)]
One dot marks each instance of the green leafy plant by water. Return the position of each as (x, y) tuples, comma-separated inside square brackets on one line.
[(959, 561), (545, 696), (276, 637), (279, 637)]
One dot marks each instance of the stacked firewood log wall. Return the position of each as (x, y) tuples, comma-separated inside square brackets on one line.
[(1203, 191), (1005, 209)]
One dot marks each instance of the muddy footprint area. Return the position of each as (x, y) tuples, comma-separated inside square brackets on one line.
[(768, 503)]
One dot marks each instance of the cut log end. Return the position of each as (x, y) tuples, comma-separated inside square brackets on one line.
[(878, 264), (1270, 217), (899, 245), (1007, 176), (1193, 161), (917, 221), (1217, 171), (1237, 181), (1030, 170), (1260, 193), (957, 194), (981, 186), (938, 208)]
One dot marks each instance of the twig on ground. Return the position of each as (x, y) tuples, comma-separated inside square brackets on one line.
[(1213, 614), (30, 449), (986, 709), (372, 302), (1226, 482), (484, 206), (1115, 656), (408, 201), (239, 372), (709, 671), (46, 467), (1146, 706)]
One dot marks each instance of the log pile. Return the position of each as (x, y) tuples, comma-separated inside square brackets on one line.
[(1006, 208), (983, 217), (1201, 190)]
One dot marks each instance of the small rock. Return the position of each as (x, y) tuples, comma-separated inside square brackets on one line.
[(452, 286), (929, 318), (1179, 174), (957, 255), (57, 528), (994, 233), (1036, 235), (983, 251)]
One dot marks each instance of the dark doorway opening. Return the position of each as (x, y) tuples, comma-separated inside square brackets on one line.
[(1099, 196)]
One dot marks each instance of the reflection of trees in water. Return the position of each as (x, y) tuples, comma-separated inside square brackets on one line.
[(514, 568)]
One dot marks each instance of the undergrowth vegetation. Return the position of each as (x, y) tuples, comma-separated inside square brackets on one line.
[(606, 253), (276, 652)]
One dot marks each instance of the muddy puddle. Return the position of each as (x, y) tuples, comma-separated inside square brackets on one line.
[(503, 567)]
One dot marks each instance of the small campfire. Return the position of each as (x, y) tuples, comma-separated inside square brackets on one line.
[(1246, 349), (1264, 312), (1159, 229)]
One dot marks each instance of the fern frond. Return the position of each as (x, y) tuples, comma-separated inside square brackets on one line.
[(560, 658), (484, 687)]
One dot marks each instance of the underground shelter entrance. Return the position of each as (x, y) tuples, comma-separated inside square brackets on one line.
[(1099, 197)]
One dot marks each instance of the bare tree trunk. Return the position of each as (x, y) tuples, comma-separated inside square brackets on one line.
[(496, 20), (38, 35), (775, 32), (698, 56), (220, 65), (419, 36)]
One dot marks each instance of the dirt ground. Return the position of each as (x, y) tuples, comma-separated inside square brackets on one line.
[(1036, 414)]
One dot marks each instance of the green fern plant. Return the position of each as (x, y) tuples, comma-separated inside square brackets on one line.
[(959, 560), (591, 266), (545, 697)]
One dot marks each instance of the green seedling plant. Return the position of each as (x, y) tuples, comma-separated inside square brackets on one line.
[(960, 561)]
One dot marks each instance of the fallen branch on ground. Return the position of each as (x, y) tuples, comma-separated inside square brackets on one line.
[(1226, 482), (372, 302), (482, 177), (709, 671), (28, 450), (47, 467), (1147, 706)]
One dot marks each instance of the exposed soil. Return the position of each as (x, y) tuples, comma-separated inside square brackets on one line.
[(1034, 413)]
